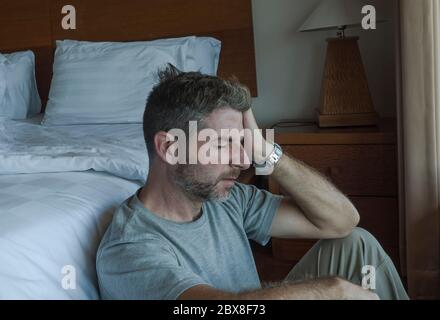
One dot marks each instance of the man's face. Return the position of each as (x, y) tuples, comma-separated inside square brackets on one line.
[(214, 181)]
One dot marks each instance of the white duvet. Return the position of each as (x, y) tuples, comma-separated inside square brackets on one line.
[(28, 147), (58, 189)]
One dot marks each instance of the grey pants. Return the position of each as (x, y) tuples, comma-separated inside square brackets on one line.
[(347, 258)]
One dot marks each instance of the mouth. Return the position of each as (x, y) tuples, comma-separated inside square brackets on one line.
[(230, 178), (228, 181)]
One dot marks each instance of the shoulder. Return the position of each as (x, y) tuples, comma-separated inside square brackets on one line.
[(126, 227), (149, 249)]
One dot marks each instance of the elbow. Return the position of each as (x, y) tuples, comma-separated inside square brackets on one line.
[(346, 223), (351, 221), (354, 216)]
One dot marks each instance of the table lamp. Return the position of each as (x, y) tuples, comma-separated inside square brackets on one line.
[(345, 97)]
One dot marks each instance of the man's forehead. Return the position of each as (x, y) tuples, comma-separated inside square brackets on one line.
[(224, 118)]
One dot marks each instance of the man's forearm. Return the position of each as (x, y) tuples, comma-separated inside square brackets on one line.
[(321, 202), (321, 289), (332, 288)]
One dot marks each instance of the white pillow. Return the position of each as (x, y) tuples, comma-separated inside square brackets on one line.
[(109, 82), (206, 55), (19, 97)]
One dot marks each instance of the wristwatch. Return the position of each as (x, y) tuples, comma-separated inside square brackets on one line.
[(273, 158)]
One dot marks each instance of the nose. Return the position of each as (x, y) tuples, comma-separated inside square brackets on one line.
[(239, 158)]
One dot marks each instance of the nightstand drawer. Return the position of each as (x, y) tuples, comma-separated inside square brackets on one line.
[(358, 170)]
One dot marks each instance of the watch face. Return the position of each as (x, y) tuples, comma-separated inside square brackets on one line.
[(277, 153), (273, 158)]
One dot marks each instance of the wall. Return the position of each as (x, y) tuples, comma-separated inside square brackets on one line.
[(290, 64)]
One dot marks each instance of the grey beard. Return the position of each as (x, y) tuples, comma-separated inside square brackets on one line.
[(195, 189), (199, 190)]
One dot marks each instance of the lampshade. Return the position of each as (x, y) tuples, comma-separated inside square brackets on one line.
[(332, 14)]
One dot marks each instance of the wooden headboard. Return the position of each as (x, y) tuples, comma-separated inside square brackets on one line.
[(36, 24)]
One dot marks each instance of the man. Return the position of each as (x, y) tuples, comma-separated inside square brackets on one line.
[(184, 235)]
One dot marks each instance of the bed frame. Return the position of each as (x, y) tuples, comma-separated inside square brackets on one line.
[(36, 24)]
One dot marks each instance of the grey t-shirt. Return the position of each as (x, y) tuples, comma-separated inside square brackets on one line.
[(144, 256)]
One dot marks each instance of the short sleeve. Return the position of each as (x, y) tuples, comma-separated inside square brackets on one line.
[(146, 269), (258, 209)]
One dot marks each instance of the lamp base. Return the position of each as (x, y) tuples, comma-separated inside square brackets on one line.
[(345, 97), (347, 120)]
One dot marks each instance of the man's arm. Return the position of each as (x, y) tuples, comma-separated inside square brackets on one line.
[(320, 289), (315, 208)]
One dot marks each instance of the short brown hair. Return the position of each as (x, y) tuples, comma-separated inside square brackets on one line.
[(180, 97)]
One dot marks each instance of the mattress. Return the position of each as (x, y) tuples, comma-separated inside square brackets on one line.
[(59, 187), (50, 228)]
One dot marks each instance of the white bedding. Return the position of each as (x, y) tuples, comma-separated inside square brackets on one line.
[(58, 189), (28, 147)]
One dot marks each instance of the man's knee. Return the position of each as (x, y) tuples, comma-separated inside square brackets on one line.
[(361, 235), (359, 238)]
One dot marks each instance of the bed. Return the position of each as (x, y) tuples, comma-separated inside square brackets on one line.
[(58, 189), (60, 185)]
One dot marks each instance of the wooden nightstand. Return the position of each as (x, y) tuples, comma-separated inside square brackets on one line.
[(362, 163)]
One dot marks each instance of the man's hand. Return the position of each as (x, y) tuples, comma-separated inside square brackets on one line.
[(249, 120), (261, 148)]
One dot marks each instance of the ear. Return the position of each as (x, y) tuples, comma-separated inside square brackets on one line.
[(165, 145)]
